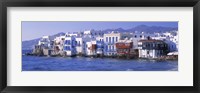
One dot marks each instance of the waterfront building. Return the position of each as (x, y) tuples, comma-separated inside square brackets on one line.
[(92, 43), (124, 47), (170, 38), (151, 48), (38, 50), (90, 49), (99, 45), (174, 39), (51, 45), (85, 38), (100, 48), (109, 43), (44, 41), (173, 55), (69, 46), (79, 45), (140, 36), (43, 47), (59, 43), (171, 45)]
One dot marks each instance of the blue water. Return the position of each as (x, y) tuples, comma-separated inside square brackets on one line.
[(34, 63)]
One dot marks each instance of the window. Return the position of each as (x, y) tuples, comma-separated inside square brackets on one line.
[(153, 45), (67, 42), (109, 39), (67, 48), (113, 39), (116, 39), (106, 39), (112, 47), (75, 42), (147, 52), (158, 53), (135, 36)]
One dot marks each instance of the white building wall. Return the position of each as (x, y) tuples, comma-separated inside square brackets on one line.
[(69, 53), (44, 41), (79, 46), (154, 55), (88, 32), (79, 50), (111, 35), (143, 53), (73, 50), (114, 37), (99, 38), (88, 48)]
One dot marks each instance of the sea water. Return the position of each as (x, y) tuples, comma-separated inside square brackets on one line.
[(35, 63)]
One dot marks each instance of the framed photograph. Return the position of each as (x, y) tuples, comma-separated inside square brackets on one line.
[(100, 46)]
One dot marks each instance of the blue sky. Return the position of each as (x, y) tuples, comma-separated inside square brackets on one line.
[(32, 30)]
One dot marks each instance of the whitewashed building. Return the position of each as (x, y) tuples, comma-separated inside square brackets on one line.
[(170, 39), (69, 46), (87, 32), (109, 43), (59, 43), (152, 48), (140, 36), (44, 41), (79, 45), (71, 34), (90, 49), (99, 45)]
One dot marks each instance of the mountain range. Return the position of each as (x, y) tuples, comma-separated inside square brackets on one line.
[(27, 45)]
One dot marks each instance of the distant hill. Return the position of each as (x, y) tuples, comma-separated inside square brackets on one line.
[(144, 28), (152, 29), (27, 45)]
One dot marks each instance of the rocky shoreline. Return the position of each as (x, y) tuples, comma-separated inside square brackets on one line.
[(102, 56)]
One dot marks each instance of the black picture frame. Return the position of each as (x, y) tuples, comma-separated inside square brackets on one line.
[(100, 3)]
